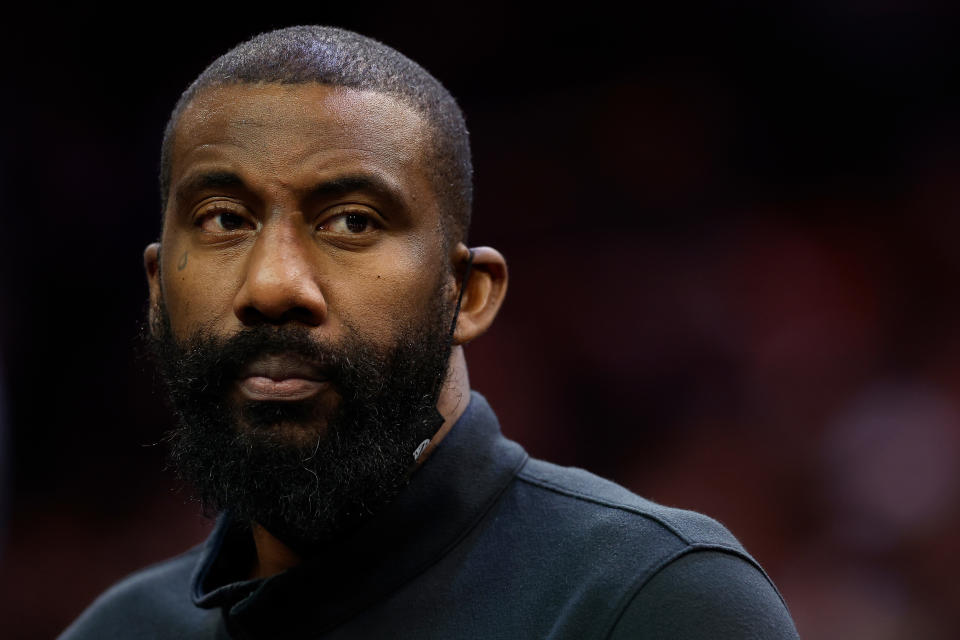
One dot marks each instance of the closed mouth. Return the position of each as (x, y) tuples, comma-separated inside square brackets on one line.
[(281, 378)]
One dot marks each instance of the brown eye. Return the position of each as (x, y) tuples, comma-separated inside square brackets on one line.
[(223, 222), (230, 221), (349, 223), (356, 223)]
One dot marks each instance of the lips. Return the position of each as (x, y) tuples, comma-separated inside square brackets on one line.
[(281, 378)]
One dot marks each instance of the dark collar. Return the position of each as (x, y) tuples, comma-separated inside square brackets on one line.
[(445, 499)]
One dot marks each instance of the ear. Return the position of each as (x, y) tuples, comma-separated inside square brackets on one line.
[(151, 263), (483, 291)]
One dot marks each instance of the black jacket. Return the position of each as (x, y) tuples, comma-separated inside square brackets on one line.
[(483, 543)]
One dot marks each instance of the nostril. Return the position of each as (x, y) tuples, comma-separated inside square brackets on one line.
[(302, 315), (251, 316)]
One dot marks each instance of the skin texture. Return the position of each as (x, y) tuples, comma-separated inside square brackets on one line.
[(311, 204)]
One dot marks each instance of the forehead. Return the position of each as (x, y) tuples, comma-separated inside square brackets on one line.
[(283, 129)]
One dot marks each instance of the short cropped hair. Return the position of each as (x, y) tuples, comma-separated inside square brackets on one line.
[(337, 57)]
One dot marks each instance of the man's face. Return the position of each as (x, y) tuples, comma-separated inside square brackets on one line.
[(302, 296)]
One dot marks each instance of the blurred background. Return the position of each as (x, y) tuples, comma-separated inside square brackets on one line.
[(732, 237)]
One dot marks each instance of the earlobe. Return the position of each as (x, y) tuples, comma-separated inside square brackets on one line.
[(151, 264), (483, 292)]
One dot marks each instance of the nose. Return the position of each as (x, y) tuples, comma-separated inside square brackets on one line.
[(280, 284)]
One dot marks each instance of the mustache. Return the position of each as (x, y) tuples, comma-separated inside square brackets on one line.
[(208, 364)]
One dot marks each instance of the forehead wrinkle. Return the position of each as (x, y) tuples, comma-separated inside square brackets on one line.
[(286, 155), (217, 157)]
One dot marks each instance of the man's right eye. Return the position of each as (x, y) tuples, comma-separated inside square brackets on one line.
[(223, 221)]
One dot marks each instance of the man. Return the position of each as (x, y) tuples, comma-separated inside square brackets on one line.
[(309, 300)]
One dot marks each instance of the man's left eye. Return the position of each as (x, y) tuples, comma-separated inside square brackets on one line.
[(349, 223)]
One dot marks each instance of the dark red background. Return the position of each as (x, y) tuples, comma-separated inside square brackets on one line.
[(732, 238)]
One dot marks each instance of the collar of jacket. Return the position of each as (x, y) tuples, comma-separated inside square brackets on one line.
[(444, 500)]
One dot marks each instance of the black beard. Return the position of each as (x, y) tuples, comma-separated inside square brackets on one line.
[(347, 461)]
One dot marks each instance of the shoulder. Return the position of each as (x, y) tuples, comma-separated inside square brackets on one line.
[(672, 572), (603, 501), (151, 603)]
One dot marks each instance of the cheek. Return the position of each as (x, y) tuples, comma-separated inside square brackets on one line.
[(196, 293), (393, 291)]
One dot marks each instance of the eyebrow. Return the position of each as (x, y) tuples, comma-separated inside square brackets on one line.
[(208, 180), (359, 182)]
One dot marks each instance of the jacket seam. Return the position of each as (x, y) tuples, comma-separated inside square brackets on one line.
[(566, 491)]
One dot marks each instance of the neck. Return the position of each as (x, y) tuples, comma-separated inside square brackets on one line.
[(453, 400), (274, 557)]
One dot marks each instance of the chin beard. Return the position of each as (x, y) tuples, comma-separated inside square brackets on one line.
[(306, 471)]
